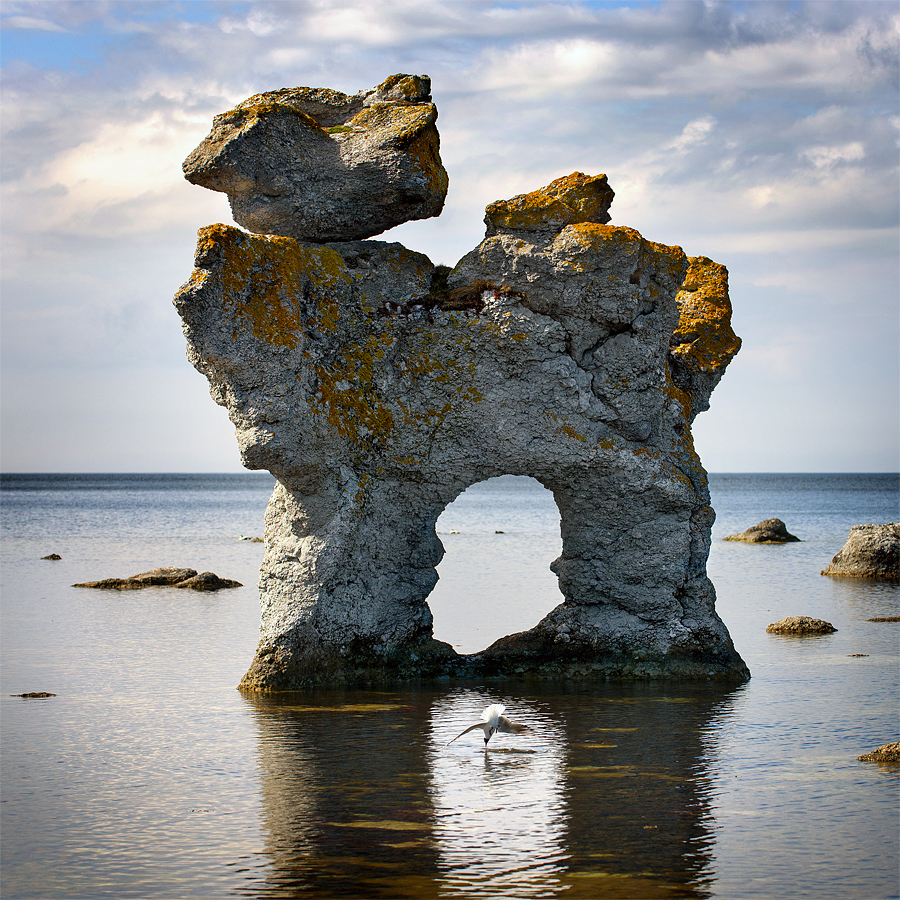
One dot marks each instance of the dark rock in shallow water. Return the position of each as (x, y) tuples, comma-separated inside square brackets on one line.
[(208, 581), (52, 556), (34, 695), (800, 625), (770, 531), (871, 551), (169, 576), (885, 619), (886, 753)]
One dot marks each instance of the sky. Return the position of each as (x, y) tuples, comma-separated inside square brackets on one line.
[(761, 134)]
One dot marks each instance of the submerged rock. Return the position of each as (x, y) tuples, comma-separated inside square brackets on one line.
[(34, 695), (376, 387), (770, 531), (53, 556), (164, 577), (318, 165), (871, 551), (886, 753), (800, 625)]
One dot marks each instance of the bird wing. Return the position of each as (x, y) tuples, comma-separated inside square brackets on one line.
[(495, 709), (470, 728), (508, 727)]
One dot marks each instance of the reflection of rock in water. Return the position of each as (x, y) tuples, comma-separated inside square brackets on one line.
[(609, 795), (345, 806)]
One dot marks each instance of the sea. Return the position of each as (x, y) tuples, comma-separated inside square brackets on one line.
[(148, 775)]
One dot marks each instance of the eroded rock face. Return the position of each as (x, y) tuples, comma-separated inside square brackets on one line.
[(318, 165), (871, 551), (562, 348)]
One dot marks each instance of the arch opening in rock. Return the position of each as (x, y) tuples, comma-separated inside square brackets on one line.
[(500, 537)]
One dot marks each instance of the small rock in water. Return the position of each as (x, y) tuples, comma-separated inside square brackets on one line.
[(208, 581), (885, 619), (52, 556), (34, 695), (168, 576), (800, 625), (871, 551), (769, 531), (886, 753)]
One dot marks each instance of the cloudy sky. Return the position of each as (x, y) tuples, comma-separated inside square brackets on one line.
[(761, 134)]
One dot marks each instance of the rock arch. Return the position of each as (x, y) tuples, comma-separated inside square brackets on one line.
[(377, 389), (500, 537)]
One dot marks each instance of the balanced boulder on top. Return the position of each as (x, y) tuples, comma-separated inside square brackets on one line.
[(318, 165)]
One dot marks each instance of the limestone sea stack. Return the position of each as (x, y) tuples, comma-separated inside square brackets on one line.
[(377, 387), (871, 551), (318, 165)]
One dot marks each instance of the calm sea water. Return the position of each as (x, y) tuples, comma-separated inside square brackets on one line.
[(150, 776)]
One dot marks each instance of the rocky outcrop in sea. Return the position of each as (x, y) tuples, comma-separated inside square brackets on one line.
[(376, 387)]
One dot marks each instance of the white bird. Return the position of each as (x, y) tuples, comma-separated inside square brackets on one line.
[(492, 721)]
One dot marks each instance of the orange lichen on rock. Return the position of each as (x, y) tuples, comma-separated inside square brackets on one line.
[(565, 201), (264, 276), (704, 339)]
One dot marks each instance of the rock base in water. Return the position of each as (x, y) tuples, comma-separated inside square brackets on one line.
[(770, 531), (871, 551), (800, 625)]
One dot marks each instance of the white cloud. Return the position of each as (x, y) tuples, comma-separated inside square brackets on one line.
[(828, 157), (29, 23)]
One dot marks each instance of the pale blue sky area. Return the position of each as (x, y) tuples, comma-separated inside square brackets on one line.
[(763, 135)]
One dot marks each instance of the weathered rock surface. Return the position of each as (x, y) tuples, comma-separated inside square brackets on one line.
[(318, 165), (168, 576), (801, 625), (886, 753), (770, 531), (562, 348), (871, 551)]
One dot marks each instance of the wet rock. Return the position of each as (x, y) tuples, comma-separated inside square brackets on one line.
[(886, 753), (207, 581), (165, 577), (885, 619), (770, 531), (318, 165), (52, 556), (800, 625), (169, 576), (34, 695), (871, 551)]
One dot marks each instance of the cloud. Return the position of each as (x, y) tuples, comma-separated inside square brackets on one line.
[(29, 23)]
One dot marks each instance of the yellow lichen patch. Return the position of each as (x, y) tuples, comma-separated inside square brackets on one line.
[(347, 396), (563, 427), (263, 278), (398, 123), (704, 339), (573, 198)]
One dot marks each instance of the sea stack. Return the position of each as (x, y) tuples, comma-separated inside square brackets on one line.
[(376, 389)]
